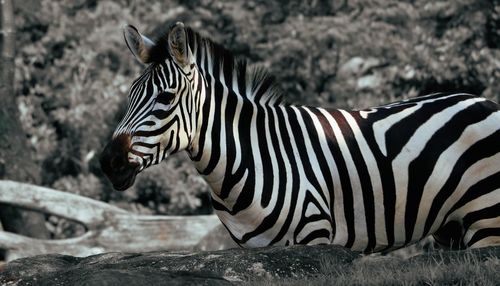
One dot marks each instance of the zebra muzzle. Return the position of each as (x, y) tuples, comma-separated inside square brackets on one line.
[(125, 180), (116, 165)]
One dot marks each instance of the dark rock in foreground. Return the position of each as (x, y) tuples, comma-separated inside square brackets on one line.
[(174, 268), (317, 265)]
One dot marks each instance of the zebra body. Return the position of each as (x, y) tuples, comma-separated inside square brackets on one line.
[(280, 174)]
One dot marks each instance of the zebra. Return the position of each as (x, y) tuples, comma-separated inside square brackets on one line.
[(371, 180)]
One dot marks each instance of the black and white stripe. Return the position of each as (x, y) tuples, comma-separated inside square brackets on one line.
[(370, 180)]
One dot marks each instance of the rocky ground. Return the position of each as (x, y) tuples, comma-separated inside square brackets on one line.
[(295, 265)]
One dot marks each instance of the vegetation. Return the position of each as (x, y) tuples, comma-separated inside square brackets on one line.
[(73, 71), (434, 269), (15, 162)]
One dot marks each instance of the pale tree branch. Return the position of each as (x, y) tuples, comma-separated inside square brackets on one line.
[(108, 228)]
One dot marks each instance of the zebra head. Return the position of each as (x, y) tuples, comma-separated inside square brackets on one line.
[(158, 120)]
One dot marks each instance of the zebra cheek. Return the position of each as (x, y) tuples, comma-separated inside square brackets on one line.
[(166, 139)]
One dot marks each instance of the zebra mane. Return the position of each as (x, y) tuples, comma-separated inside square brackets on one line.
[(254, 83)]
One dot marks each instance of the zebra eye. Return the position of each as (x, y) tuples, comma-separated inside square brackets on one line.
[(165, 97)]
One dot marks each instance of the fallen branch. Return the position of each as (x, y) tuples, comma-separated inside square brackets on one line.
[(109, 228)]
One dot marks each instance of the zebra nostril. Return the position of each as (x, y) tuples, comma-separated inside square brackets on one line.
[(119, 162), (114, 157), (116, 164)]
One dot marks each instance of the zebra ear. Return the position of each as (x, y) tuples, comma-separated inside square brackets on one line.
[(177, 44), (138, 44)]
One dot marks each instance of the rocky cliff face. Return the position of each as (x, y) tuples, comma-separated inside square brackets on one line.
[(283, 265), (174, 268)]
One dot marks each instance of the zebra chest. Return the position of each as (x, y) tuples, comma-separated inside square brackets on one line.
[(258, 216), (258, 227)]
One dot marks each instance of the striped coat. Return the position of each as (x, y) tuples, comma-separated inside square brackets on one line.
[(280, 174)]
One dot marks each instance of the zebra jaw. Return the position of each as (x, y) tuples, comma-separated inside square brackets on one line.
[(129, 181), (116, 165), (124, 177)]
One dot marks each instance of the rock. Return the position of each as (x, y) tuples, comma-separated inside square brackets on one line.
[(316, 265), (371, 81), (351, 67), (357, 66), (175, 268)]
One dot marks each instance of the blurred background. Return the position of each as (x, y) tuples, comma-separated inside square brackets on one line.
[(73, 71)]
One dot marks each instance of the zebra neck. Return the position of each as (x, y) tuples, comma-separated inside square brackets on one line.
[(234, 107), (226, 122)]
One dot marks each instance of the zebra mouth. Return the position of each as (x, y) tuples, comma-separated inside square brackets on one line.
[(116, 164), (122, 177), (126, 178), (125, 184)]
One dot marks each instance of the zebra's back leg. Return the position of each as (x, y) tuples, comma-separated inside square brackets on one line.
[(474, 220), (480, 220), (482, 227), (449, 236)]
